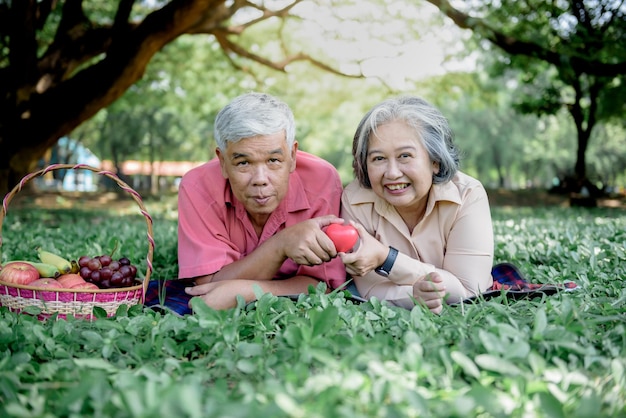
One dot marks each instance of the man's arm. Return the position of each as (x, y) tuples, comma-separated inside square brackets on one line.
[(305, 243), (223, 294)]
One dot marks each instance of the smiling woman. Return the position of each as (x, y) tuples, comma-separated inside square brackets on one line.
[(425, 227)]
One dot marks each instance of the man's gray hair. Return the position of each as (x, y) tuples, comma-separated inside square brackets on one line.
[(253, 114)]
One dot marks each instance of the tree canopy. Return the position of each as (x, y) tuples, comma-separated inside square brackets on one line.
[(566, 54), (63, 61), (122, 78)]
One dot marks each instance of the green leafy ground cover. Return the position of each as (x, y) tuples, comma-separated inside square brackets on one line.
[(324, 356)]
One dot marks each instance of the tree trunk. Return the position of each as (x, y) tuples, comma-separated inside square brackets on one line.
[(580, 170), (585, 193), (40, 102), (14, 168), (585, 119)]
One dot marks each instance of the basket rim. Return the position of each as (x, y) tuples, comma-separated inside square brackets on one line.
[(68, 290), (124, 186)]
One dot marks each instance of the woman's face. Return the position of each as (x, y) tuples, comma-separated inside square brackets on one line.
[(399, 167)]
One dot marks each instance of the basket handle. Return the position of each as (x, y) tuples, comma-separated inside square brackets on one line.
[(136, 197)]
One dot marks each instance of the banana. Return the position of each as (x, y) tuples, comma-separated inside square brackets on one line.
[(45, 270), (75, 266), (64, 266)]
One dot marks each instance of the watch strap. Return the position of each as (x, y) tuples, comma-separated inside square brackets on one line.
[(385, 268)]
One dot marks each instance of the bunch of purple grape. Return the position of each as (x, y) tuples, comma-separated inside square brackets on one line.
[(106, 272)]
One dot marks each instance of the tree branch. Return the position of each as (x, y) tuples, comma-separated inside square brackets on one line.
[(123, 14), (22, 39), (514, 46), (73, 20), (228, 46), (100, 84)]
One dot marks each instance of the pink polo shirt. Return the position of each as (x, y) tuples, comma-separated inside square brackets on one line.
[(214, 229), (454, 238)]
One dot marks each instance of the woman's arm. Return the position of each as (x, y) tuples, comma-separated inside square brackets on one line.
[(466, 254)]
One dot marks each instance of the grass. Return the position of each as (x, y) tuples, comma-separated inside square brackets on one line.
[(320, 356)]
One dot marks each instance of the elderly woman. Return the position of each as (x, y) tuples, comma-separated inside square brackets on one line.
[(425, 227)]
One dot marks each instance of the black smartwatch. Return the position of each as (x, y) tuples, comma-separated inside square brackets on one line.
[(385, 268)]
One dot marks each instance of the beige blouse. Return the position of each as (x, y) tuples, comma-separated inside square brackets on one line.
[(454, 238)]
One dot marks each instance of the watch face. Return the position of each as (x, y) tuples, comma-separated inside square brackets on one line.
[(382, 272)]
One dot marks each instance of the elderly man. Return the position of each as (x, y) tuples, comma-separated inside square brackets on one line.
[(255, 214)]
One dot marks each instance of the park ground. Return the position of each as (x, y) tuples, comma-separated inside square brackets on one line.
[(120, 201)]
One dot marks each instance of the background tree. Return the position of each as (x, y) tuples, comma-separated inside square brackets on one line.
[(181, 81), (569, 54), (63, 61), (167, 115)]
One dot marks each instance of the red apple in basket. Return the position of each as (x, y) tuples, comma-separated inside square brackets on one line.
[(85, 286), (46, 283), (69, 280), (344, 237), (18, 272)]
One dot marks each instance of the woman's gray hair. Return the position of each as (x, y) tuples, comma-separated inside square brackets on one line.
[(430, 126), (253, 114)]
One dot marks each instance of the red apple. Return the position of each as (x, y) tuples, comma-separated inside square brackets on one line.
[(18, 272), (85, 286), (46, 283), (344, 237), (70, 280)]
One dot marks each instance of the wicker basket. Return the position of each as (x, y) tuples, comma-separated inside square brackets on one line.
[(79, 303)]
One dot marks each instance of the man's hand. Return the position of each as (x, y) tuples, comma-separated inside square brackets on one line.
[(430, 292), (223, 295), (306, 243)]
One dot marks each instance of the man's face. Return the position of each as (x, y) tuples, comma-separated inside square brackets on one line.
[(258, 170)]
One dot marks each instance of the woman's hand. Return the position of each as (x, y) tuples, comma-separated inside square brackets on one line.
[(370, 254), (430, 292)]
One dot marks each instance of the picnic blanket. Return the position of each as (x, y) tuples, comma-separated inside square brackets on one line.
[(507, 280), (175, 300)]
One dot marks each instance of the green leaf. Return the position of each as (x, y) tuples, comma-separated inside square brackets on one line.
[(99, 313), (246, 366), (491, 342), (486, 398), (32, 310), (200, 308), (323, 321), (95, 363), (293, 336), (468, 366), (550, 406), (497, 365), (92, 339), (246, 349), (540, 324)]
